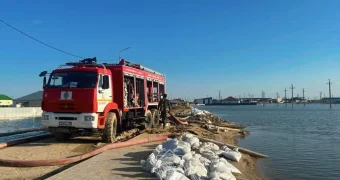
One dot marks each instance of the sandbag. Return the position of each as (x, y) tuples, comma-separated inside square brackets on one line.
[(149, 163), (187, 136), (221, 176), (158, 150), (209, 155), (218, 166), (198, 177), (170, 144), (195, 146), (162, 171), (218, 152), (232, 168), (169, 159), (175, 175), (192, 140), (231, 154), (187, 156), (194, 166), (209, 146), (206, 162), (182, 148)]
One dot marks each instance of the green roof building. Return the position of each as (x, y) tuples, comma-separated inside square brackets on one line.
[(5, 101)]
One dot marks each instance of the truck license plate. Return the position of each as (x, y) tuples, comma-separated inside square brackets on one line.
[(61, 123)]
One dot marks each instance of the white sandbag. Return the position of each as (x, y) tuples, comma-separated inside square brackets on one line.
[(182, 148), (157, 150), (209, 155), (159, 147), (218, 166), (187, 156), (218, 152), (221, 176), (197, 111), (194, 166), (196, 156), (206, 112), (170, 144), (174, 175), (149, 163), (195, 146), (162, 171), (169, 159), (187, 136), (231, 154), (192, 140), (232, 168), (209, 146), (206, 162), (198, 177)]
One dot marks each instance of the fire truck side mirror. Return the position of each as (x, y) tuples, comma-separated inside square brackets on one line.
[(44, 82), (105, 82)]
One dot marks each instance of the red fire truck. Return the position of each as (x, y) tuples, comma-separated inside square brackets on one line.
[(103, 98)]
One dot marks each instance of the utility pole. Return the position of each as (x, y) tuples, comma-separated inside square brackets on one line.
[(263, 96), (303, 96), (286, 96), (320, 97), (292, 88), (330, 98), (277, 98), (219, 95)]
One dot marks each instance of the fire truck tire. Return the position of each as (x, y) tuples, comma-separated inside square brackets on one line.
[(110, 129), (149, 120), (156, 117), (59, 136)]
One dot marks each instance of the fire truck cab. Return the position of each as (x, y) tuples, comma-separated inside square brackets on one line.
[(103, 98)]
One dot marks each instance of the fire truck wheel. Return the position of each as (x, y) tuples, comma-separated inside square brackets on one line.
[(156, 117), (59, 136), (149, 120), (110, 129)]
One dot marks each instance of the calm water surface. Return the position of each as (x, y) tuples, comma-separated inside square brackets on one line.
[(19, 124), (303, 143)]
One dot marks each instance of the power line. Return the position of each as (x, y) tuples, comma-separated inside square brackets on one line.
[(40, 41)]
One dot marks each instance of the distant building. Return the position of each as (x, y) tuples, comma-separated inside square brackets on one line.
[(176, 102), (334, 100), (31, 100), (5, 101), (203, 101), (230, 100)]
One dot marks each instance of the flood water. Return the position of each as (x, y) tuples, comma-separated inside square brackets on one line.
[(303, 143), (19, 124)]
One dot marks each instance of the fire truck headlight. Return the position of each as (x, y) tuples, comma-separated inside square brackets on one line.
[(45, 117), (89, 118)]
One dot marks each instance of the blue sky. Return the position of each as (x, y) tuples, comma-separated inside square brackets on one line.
[(202, 46)]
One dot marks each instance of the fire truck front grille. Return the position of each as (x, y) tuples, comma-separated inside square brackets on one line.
[(66, 107)]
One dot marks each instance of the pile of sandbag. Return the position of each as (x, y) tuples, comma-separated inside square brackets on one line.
[(191, 159)]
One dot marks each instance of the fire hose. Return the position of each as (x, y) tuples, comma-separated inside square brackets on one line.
[(54, 162)]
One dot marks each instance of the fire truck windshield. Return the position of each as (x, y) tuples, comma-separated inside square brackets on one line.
[(75, 79)]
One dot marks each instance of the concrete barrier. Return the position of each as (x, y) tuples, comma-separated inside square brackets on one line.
[(8, 113)]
